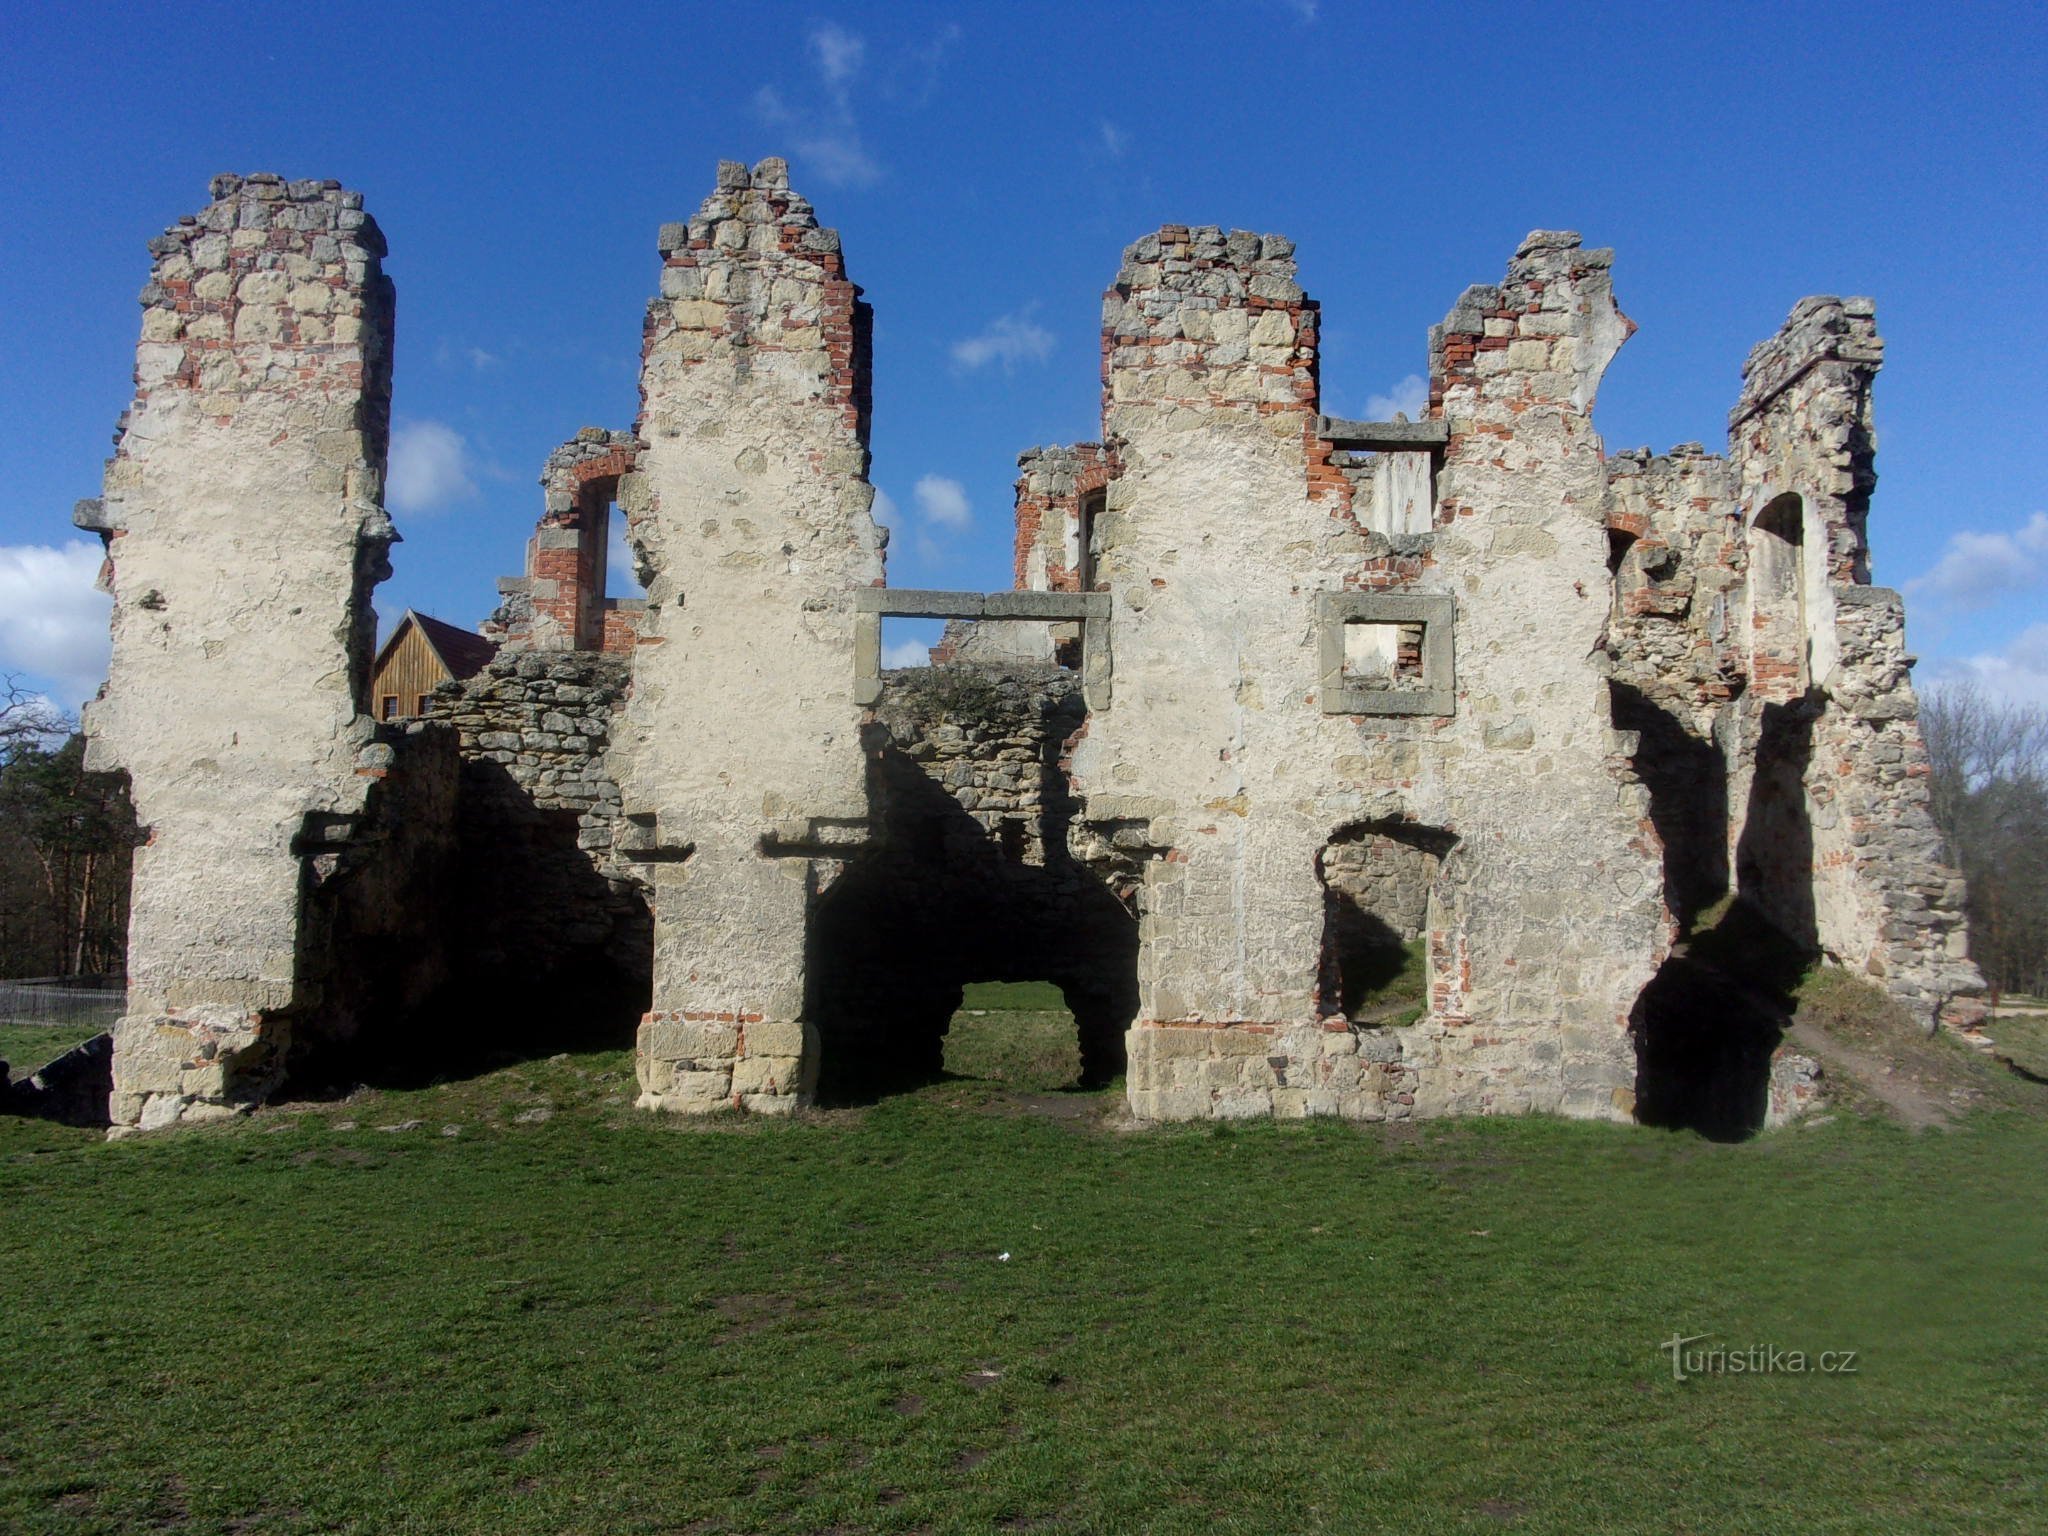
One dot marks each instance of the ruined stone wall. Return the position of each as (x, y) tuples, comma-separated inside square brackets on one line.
[(1227, 536), (1828, 672), (1054, 486), (738, 755), (1676, 549), (559, 604), (972, 874), (543, 912), (1384, 877), (256, 443), (1458, 680)]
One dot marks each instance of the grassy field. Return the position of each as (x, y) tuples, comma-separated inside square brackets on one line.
[(25, 1047), (513, 1304)]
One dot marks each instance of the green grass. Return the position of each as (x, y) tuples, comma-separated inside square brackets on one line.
[(1033, 996), (596, 1320), (25, 1047), (2024, 1039)]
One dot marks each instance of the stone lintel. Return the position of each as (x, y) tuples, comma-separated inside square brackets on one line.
[(1383, 436), (921, 603)]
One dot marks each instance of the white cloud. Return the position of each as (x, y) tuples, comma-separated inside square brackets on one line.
[(1114, 141), (906, 653), (1976, 566), (884, 509), (430, 467), (2019, 672), (53, 624), (1305, 9), (943, 502), (825, 137), (1009, 340), (449, 355), (1411, 396), (829, 146), (839, 53)]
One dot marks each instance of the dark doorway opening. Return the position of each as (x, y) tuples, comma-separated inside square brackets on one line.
[(1378, 879), (968, 878)]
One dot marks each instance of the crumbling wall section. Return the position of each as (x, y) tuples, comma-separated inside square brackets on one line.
[(1827, 659), (256, 441), (1232, 541), (559, 604), (542, 906), (738, 755), (1056, 487), (1676, 552), (1205, 540), (972, 875)]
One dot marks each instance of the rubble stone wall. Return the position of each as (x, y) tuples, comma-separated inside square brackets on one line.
[(738, 755), (1229, 518), (559, 604), (1468, 681), (256, 443), (973, 874), (540, 892)]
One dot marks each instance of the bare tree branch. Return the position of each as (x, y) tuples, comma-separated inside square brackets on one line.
[(28, 719)]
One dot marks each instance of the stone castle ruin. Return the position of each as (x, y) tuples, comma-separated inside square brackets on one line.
[(1274, 694)]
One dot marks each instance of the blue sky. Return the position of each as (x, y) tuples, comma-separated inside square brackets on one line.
[(986, 165)]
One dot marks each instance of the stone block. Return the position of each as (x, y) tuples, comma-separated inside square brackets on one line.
[(688, 1040)]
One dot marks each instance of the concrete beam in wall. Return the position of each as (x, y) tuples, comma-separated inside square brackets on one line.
[(1383, 436)]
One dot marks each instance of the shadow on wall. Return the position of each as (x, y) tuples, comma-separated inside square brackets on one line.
[(1774, 855), (534, 951), (939, 899), (1377, 878), (71, 1088), (1709, 1021), (1687, 781), (1706, 1026)]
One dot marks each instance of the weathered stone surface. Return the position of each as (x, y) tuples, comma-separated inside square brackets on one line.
[(1466, 681), (748, 512), (244, 528)]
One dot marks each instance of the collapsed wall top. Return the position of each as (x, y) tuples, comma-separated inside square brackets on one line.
[(242, 514)]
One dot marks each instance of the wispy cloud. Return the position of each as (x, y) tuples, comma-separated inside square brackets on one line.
[(839, 54), (884, 510), (1112, 140), (917, 73), (448, 354), (53, 623), (1409, 397), (430, 467), (1979, 566), (824, 135), (1305, 9), (906, 653), (943, 502), (2018, 673), (1008, 340)]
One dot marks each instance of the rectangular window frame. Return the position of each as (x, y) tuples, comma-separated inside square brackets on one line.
[(1437, 613)]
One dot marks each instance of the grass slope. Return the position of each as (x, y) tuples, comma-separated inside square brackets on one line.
[(540, 1311), (27, 1047)]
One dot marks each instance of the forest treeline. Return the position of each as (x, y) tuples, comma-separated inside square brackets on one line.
[(67, 838), (1990, 798)]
